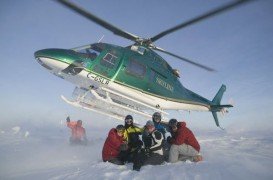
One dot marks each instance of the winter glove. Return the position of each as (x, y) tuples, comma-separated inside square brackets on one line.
[(123, 147), (147, 150), (68, 119), (169, 139)]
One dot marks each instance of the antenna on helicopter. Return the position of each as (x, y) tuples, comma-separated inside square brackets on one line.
[(101, 38)]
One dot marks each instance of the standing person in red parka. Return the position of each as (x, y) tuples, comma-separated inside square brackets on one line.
[(78, 136), (115, 146), (184, 145)]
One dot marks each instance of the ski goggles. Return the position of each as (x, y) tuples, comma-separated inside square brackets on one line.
[(129, 121)]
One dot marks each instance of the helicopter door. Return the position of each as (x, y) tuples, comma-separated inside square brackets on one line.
[(108, 64)]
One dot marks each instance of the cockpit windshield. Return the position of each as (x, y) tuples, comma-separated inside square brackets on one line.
[(90, 51)]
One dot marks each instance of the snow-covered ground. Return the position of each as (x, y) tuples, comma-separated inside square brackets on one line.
[(41, 151)]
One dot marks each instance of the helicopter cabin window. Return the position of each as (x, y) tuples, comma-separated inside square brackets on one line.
[(136, 69), (109, 60)]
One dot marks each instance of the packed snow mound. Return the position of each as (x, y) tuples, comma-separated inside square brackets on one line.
[(46, 154)]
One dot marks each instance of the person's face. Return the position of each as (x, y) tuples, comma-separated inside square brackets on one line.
[(157, 118), (150, 129), (129, 121), (174, 128), (120, 132), (79, 123)]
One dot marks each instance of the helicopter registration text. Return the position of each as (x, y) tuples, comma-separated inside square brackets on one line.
[(164, 84), (98, 78)]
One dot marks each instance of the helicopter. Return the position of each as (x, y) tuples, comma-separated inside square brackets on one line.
[(114, 80)]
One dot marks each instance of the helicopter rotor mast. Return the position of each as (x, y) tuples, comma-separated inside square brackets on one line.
[(149, 41)]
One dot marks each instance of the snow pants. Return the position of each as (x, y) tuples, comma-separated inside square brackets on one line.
[(143, 158), (181, 152), (116, 161)]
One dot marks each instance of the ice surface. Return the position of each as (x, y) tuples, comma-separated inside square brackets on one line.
[(43, 152)]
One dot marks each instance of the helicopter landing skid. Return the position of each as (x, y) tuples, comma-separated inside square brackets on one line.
[(92, 108), (102, 103)]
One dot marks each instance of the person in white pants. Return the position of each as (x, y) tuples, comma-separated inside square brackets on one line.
[(184, 145)]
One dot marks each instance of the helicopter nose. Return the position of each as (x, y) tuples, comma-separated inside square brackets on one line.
[(52, 59)]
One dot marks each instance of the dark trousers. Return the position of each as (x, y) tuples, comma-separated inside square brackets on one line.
[(143, 158), (122, 157), (116, 161)]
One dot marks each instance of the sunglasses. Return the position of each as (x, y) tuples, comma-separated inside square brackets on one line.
[(128, 120)]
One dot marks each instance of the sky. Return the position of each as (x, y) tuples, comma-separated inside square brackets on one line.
[(238, 44)]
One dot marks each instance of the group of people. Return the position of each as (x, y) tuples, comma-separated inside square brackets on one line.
[(124, 144), (143, 146)]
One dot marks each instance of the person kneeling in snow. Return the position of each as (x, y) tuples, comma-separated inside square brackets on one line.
[(115, 147), (152, 154), (132, 136), (184, 145), (78, 136)]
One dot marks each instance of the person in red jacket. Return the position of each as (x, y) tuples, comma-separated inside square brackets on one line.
[(115, 146), (78, 136), (184, 145)]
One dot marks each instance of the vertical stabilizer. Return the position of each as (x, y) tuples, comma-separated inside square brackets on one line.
[(215, 118), (218, 97), (216, 106)]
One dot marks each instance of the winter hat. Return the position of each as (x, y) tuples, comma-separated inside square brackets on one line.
[(120, 127), (150, 123), (173, 122), (129, 117)]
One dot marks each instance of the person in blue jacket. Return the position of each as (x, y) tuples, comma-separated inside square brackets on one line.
[(158, 126), (161, 128)]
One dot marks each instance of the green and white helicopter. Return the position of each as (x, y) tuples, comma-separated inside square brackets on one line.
[(116, 81)]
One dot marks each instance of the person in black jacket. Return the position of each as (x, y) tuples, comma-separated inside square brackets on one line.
[(152, 153)]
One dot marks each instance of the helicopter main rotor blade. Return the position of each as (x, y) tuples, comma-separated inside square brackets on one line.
[(99, 21), (184, 59), (199, 18)]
